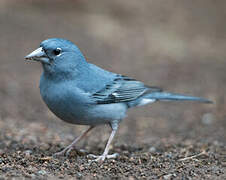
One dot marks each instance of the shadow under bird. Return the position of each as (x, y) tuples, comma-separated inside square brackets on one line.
[(82, 93)]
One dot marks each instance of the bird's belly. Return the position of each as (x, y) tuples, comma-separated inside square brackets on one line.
[(87, 114)]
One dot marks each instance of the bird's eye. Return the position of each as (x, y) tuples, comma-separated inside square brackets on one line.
[(57, 51)]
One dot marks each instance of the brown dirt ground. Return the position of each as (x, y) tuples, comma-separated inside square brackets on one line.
[(175, 45)]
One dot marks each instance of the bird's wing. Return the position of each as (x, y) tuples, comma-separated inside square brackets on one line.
[(122, 89)]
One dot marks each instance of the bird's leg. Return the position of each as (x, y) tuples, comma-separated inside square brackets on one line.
[(102, 157), (71, 146)]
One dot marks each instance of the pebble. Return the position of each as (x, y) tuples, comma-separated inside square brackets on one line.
[(207, 118), (79, 174), (169, 176), (42, 172), (28, 153), (82, 152), (152, 149)]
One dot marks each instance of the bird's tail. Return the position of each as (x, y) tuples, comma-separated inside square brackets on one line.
[(165, 96)]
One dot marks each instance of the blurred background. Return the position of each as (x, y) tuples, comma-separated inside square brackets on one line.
[(177, 45)]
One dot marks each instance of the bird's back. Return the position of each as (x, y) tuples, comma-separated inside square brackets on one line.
[(93, 78)]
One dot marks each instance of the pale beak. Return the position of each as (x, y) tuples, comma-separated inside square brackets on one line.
[(38, 55)]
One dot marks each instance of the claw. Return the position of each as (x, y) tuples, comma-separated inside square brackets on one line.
[(102, 157), (68, 151), (61, 153), (65, 151)]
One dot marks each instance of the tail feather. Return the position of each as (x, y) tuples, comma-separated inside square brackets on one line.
[(165, 96)]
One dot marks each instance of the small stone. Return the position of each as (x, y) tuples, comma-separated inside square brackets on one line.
[(28, 153), (79, 174), (32, 175), (81, 168), (152, 149), (47, 158), (223, 164), (131, 178), (207, 118), (169, 176), (82, 152), (42, 172), (126, 153)]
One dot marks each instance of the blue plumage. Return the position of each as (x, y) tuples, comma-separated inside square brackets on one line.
[(82, 93)]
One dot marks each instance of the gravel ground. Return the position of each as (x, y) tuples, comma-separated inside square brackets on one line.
[(28, 153), (179, 46)]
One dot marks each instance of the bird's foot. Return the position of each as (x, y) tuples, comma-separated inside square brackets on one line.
[(102, 157), (65, 151)]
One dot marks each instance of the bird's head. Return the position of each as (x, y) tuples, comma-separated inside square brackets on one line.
[(57, 56)]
